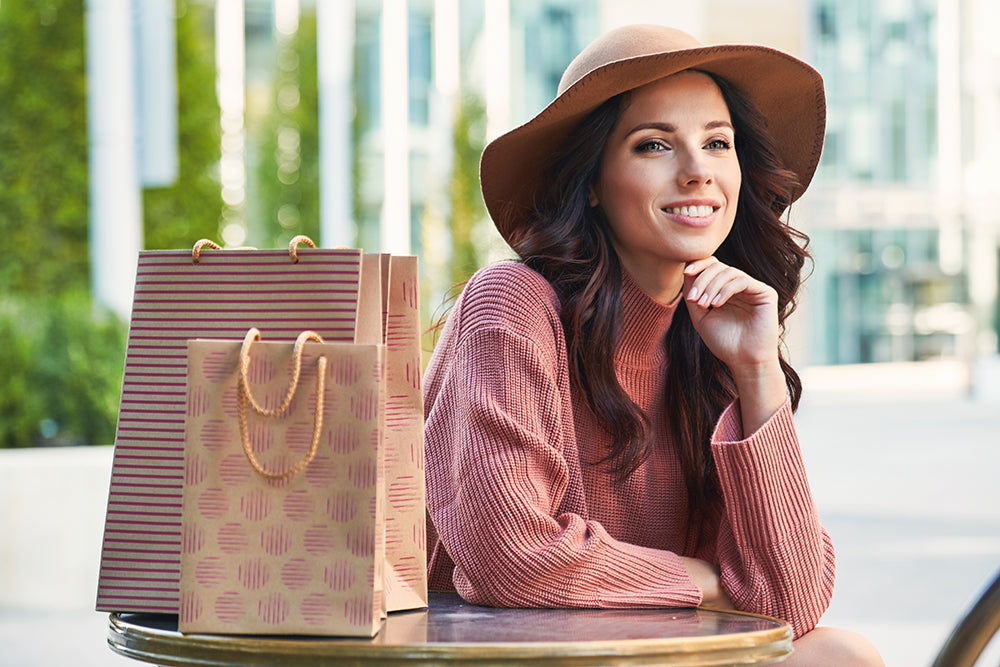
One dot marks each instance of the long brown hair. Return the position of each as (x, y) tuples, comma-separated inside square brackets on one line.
[(566, 240)]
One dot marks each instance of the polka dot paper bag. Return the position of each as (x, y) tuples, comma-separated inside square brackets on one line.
[(284, 488)]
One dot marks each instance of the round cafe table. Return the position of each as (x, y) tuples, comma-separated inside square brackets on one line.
[(453, 632)]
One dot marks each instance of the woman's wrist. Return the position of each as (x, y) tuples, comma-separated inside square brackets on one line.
[(762, 392), (706, 577)]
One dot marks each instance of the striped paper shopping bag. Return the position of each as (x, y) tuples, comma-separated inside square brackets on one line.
[(220, 294)]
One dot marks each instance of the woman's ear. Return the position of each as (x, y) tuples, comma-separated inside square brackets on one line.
[(592, 197)]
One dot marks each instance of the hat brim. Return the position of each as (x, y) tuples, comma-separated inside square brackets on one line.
[(788, 92)]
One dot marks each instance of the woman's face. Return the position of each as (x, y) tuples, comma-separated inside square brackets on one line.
[(669, 179)]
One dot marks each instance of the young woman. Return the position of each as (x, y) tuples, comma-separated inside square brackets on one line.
[(609, 419)]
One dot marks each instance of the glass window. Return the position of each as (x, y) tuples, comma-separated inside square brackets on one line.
[(420, 63)]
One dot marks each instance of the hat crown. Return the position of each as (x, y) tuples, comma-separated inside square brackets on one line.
[(623, 43)]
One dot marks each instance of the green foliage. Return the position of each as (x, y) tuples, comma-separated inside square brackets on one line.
[(467, 207), (62, 364), (288, 174), (43, 146), (63, 367), (179, 215)]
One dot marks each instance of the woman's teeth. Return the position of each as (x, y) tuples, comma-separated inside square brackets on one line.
[(691, 211)]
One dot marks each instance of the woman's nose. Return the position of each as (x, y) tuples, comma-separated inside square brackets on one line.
[(693, 169)]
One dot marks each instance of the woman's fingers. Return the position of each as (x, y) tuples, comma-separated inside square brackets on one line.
[(710, 283), (698, 275)]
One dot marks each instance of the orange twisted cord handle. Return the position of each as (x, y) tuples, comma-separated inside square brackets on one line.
[(293, 247), (203, 243), (244, 396)]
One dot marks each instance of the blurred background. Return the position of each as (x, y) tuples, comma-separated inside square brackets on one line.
[(132, 124)]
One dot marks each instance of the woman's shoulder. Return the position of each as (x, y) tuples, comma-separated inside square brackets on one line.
[(511, 282), (508, 294)]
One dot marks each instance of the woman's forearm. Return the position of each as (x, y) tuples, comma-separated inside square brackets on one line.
[(762, 392)]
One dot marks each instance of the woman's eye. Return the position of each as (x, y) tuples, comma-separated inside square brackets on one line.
[(651, 146), (719, 144)]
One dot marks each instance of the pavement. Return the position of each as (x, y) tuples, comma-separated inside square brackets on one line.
[(903, 463)]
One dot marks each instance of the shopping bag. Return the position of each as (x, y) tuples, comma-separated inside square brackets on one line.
[(219, 294), (283, 488), (405, 521)]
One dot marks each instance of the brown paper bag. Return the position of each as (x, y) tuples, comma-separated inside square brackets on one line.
[(343, 295), (283, 488), (406, 546)]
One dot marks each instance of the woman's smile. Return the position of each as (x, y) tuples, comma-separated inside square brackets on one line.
[(694, 214)]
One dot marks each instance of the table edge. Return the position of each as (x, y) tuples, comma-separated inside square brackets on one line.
[(154, 645)]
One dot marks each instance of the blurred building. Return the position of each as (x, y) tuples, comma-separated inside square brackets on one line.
[(904, 214), (904, 211), (494, 62)]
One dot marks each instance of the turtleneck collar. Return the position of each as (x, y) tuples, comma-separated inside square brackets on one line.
[(644, 326)]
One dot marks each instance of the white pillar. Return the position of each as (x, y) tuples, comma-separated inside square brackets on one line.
[(335, 55), (949, 137), (230, 65), (981, 83), (156, 80), (230, 47), (447, 71), (395, 236), (443, 103), (115, 196), (497, 38)]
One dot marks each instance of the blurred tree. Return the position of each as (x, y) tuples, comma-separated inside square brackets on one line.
[(62, 361), (467, 207), (190, 209), (63, 368), (43, 147), (288, 173)]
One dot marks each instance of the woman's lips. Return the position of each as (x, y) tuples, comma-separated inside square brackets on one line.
[(692, 215)]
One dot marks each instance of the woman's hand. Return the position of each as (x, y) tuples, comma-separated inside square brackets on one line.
[(735, 315), (737, 318), (706, 577)]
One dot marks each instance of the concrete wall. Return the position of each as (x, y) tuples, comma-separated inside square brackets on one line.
[(52, 506)]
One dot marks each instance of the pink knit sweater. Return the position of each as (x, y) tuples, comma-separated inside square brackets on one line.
[(520, 516)]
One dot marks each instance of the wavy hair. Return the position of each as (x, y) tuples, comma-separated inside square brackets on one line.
[(567, 241)]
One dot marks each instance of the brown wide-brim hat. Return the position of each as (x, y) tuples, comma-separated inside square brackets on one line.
[(788, 92)]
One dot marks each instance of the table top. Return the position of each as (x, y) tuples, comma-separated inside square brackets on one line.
[(454, 632)]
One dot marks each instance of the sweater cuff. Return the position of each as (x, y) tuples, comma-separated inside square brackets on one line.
[(651, 577), (763, 476)]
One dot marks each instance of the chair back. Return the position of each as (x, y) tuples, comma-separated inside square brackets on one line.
[(974, 631)]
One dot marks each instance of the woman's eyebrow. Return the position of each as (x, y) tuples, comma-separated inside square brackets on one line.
[(670, 128), (662, 127), (715, 124)]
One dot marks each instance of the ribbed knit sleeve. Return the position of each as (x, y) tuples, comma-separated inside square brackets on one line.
[(504, 486), (775, 557)]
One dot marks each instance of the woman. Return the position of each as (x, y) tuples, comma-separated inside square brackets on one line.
[(592, 441)]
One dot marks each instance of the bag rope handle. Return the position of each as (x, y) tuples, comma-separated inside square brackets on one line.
[(244, 396), (203, 243), (293, 247)]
